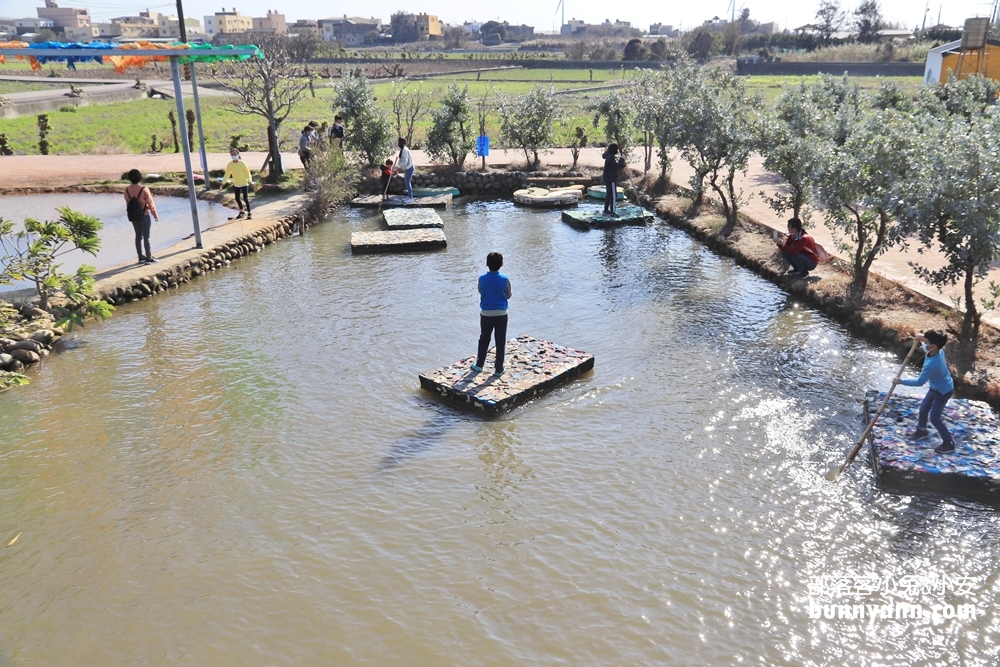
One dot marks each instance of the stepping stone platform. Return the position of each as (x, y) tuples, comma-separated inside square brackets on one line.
[(973, 469), (398, 240), (411, 218), (399, 201), (532, 367), (587, 219)]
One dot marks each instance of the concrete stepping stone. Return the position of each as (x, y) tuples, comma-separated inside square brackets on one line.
[(398, 240), (399, 201), (587, 219), (411, 218), (532, 367)]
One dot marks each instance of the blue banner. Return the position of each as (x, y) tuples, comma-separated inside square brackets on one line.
[(483, 146)]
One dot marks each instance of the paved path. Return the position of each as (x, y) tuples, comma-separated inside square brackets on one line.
[(54, 170)]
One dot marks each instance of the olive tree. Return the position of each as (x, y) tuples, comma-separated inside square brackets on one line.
[(367, 128), (450, 136), (618, 114), (528, 122), (953, 203), (719, 127)]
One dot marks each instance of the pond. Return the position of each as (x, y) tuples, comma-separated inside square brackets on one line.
[(117, 236), (245, 471)]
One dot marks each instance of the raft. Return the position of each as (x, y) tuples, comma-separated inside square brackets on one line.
[(544, 198), (594, 217), (972, 470), (601, 191), (435, 192)]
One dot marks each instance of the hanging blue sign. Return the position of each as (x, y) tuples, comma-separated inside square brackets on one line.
[(483, 146)]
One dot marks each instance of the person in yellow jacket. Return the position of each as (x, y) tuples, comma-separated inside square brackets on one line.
[(238, 172)]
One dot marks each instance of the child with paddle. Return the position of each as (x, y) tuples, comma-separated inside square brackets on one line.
[(613, 163), (935, 373)]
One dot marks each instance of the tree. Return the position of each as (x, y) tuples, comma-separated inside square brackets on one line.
[(450, 135), (31, 253), (619, 121), (732, 39), (493, 28), (409, 107), (859, 183), (367, 129), (484, 107), (454, 37), (404, 27), (719, 126), (265, 87), (702, 45), (634, 50), (953, 199), (829, 18), (334, 175), (868, 21), (528, 122), (44, 35)]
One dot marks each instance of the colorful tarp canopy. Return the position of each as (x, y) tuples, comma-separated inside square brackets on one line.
[(118, 54)]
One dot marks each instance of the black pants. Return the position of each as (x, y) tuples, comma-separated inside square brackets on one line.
[(245, 191), (497, 326), (142, 235), (610, 196)]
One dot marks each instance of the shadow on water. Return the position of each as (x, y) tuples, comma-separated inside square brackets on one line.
[(418, 440)]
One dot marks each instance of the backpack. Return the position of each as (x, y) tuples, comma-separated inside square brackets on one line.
[(134, 208)]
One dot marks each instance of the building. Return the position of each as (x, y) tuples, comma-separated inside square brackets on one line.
[(63, 17), (170, 27), (944, 60), (227, 23), (30, 25), (428, 27), (349, 30), (573, 27), (473, 27), (304, 27), (273, 24), (145, 25), (663, 30)]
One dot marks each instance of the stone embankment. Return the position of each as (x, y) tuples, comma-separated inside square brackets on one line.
[(27, 339), (499, 183)]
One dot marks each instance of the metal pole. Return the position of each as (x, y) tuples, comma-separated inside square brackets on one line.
[(180, 21), (175, 70), (201, 131)]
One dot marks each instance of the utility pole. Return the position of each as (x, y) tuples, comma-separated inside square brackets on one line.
[(923, 26), (180, 21)]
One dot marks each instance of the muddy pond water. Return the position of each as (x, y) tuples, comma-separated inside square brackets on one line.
[(245, 471), (117, 235)]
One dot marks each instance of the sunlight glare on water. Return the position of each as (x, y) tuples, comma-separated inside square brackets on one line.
[(245, 471)]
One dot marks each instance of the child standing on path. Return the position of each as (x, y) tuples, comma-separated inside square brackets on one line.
[(612, 163), (935, 373), (140, 207), (494, 290), (238, 172)]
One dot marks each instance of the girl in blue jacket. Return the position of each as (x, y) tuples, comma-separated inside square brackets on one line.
[(935, 373)]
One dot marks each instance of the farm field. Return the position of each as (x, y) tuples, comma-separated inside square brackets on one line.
[(128, 127)]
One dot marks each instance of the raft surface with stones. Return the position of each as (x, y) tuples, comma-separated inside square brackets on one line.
[(973, 469), (627, 215), (398, 240), (411, 218), (400, 201), (532, 367)]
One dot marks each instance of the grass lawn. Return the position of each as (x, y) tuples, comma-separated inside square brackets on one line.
[(771, 87), (7, 87)]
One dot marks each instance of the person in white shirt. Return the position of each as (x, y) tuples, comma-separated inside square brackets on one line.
[(405, 163)]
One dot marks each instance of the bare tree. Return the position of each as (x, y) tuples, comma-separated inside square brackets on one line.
[(829, 18), (266, 87), (409, 106), (484, 106)]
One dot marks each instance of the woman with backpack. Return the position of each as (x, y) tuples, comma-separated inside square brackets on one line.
[(141, 211)]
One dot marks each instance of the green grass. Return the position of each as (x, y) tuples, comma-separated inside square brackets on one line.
[(580, 76), (772, 87), (8, 87)]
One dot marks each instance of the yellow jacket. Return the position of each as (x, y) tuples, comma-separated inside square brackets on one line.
[(238, 173)]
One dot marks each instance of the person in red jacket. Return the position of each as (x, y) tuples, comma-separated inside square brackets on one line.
[(798, 249)]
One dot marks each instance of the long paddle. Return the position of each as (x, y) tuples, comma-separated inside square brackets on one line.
[(835, 472), (388, 182)]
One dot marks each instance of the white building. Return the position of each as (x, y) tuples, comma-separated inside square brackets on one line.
[(935, 58)]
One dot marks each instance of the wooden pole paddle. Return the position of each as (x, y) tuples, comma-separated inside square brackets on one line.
[(833, 474), (388, 182)]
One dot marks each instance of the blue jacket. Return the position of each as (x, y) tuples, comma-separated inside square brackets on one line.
[(935, 372), (494, 288)]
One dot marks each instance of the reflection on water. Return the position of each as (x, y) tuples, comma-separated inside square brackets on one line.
[(117, 236), (244, 471)]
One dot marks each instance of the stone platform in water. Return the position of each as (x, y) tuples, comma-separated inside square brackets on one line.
[(627, 215), (532, 367), (398, 240), (399, 201), (411, 218), (972, 469)]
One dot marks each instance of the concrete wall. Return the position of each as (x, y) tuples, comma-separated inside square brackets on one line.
[(45, 106), (853, 69)]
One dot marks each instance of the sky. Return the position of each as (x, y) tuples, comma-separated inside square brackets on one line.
[(541, 15)]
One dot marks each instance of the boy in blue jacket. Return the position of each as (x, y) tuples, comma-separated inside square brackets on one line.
[(935, 373), (494, 290)]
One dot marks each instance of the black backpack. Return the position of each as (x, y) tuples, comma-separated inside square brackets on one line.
[(134, 208)]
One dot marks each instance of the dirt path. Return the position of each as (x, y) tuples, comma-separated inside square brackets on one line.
[(54, 170)]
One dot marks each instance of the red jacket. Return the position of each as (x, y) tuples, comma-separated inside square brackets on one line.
[(804, 244)]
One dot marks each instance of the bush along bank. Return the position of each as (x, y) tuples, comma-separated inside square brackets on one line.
[(889, 317)]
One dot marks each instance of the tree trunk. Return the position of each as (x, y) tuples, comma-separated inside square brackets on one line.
[(274, 169)]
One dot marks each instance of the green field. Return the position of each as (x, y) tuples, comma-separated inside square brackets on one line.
[(127, 127), (771, 87)]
